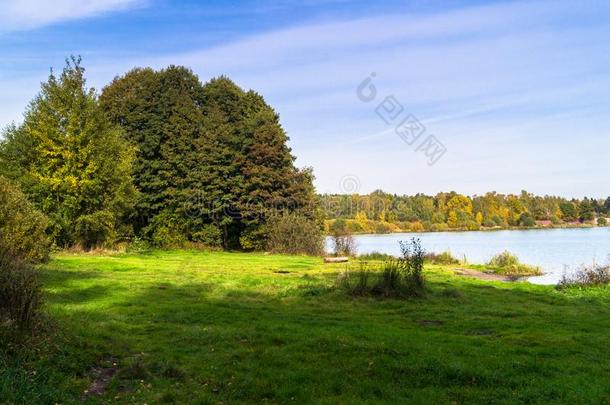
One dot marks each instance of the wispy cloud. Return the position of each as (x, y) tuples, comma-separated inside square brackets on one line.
[(18, 15), (515, 89)]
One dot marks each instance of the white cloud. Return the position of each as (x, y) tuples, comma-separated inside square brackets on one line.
[(18, 15), (515, 90)]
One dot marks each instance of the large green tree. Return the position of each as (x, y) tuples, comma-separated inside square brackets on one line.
[(586, 211), (71, 162), (212, 163)]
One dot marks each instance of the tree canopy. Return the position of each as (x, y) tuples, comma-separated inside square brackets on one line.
[(71, 162), (383, 212), (212, 160)]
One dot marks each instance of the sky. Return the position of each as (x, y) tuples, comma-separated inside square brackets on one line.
[(412, 96)]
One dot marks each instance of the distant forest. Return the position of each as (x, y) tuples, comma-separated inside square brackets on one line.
[(380, 212)]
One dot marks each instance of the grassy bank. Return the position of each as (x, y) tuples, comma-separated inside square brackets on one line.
[(198, 327)]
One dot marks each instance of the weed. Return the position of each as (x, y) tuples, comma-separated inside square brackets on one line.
[(590, 276)]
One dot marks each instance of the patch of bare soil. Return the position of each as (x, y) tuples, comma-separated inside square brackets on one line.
[(101, 376), (482, 275), (430, 322)]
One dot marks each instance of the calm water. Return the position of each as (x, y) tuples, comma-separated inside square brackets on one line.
[(555, 250)]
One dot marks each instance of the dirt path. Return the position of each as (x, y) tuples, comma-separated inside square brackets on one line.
[(101, 377), (481, 275)]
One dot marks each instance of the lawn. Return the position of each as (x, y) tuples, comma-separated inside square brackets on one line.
[(210, 327)]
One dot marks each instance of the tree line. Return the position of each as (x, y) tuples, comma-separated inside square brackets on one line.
[(159, 156), (383, 212)]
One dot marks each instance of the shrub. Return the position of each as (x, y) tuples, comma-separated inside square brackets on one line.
[(398, 278), (442, 258), (591, 276), (338, 225), (527, 220), (389, 283), (473, 226), (294, 233), (416, 227), (354, 227), (20, 293), (357, 284), (412, 261), (344, 245), (383, 227), (254, 237), (377, 256), (165, 230), (209, 235), (503, 260), (489, 223), (508, 264), (167, 237), (602, 222), (439, 227), (22, 227), (497, 220), (93, 230), (138, 245)]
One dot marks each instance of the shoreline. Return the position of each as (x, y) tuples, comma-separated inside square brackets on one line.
[(495, 229)]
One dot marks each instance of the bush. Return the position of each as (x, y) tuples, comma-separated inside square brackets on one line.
[(416, 227), (442, 258), (489, 223), (294, 234), (384, 227), (344, 245), (358, 284), (94, 230), (412, 263), (338, 225), (20, 293), (165, 230), (508, 264), (209, 235), (376, 256), (587, 277), (254, 237), (22, 227), (138, 245), (398, 278), (602, 222), (439, 227), (497, 220), (354, 227), (527, 220), (503, 260)]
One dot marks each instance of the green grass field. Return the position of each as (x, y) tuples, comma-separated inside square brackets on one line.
[(201, 327)]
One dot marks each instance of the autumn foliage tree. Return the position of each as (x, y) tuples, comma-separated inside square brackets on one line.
[(450, 210)]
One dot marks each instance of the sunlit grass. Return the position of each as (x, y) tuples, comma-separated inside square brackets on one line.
[(198, 327)]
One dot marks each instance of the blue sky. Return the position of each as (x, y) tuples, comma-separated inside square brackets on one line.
[(518, 92)]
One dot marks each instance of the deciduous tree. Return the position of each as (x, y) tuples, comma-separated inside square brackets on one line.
[(71, 161)]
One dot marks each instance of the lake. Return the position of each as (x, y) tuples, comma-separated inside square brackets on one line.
[(555, 251)]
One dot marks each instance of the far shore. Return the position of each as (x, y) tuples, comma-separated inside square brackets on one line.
[(482, 229)]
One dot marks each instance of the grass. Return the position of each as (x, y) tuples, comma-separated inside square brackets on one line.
[(200, 327), (508, 264)]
